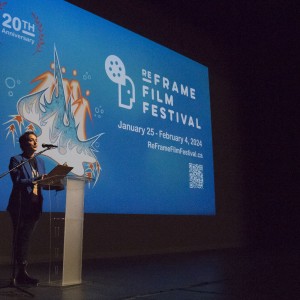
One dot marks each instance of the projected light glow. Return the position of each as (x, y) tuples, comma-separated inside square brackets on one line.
[(134, 116)]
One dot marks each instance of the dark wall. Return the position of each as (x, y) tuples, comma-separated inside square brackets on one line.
[(249, 49), (268, 75)]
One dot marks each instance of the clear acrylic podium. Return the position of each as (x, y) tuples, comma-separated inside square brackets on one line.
[(66, 230)]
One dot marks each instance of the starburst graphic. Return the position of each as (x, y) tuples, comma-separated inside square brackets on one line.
[(56, 111)]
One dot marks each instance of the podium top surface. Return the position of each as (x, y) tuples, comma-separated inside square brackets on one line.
[(61, 180)]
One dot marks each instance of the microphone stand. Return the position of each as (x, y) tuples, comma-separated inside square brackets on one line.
[(12, 283), (24, 162)]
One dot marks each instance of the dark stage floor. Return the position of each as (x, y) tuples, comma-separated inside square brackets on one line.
[(227, 274)]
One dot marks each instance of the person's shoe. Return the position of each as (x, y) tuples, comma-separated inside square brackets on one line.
[(23, 277)]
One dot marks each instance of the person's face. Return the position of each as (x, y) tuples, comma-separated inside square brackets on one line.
[(31, 144)]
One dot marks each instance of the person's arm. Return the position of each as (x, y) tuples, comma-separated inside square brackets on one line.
[(17, 176)]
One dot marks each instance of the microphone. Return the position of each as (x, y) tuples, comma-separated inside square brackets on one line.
[(49, 146)]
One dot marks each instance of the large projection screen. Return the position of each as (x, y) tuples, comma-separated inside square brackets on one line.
[(123, 110)]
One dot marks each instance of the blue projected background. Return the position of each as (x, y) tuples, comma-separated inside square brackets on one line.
[(123, 110)]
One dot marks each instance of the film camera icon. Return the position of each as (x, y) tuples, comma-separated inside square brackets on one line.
[(115, 70)]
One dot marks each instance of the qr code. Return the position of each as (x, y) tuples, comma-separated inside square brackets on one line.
[(196, 176)]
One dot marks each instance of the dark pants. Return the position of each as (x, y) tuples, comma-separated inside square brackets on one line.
[(23, 226)]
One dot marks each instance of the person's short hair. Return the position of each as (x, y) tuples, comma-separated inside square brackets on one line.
[(24, 138)]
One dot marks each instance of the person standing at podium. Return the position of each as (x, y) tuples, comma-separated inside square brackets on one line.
[(25, 202)]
